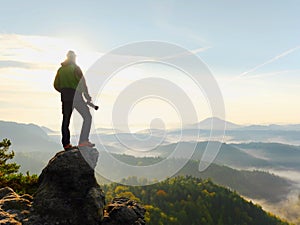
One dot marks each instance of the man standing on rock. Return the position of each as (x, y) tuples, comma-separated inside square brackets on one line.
[(69, 81)]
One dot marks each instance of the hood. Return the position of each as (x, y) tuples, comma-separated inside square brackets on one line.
[(67, 62)]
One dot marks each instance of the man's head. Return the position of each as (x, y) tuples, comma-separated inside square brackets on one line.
[(71, 56)]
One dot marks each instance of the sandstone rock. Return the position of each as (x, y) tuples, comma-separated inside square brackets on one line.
[(13, 208), (6, 192), (9, 221), (123, 211), (28, 197), (15, 204), (68, 192)]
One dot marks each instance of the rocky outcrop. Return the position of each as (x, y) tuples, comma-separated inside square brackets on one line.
[(124, 211), (68, 194), (13, 207)]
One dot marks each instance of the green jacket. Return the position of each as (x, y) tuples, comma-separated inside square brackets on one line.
[(69, 78)]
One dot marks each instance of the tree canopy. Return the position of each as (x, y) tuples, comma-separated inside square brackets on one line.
[(189, 200), (9, 172)]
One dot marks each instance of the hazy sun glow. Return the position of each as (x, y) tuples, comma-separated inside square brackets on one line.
[(34, 61), (28, 65), (149, 108)]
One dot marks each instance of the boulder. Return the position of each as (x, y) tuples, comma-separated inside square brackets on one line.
[(6, 191), (68, 192), (123, 211), (13, 208)]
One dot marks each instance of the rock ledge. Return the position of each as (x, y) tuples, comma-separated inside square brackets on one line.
[(68, 194)]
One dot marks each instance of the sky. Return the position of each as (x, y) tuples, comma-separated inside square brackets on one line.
[(252, 49)]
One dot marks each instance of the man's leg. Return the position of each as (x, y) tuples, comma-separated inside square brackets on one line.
[(67, 108), (84, 111)]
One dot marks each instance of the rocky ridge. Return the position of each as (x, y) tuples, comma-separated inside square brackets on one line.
[(68, 194)]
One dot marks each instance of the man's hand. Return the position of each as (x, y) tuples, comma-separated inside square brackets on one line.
[(92, 105), (87, 97)]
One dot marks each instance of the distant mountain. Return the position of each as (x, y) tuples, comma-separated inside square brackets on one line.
[(48, 130), (273, 127), (279, 155), (218, 124), (30, 137), (27, 137), (33, 162), (156, 132), (279, 136), (106, 131), (238, 135), (248, 183), (228, 154), (206, 124), (295, 127), (244, 155), (253, 184)]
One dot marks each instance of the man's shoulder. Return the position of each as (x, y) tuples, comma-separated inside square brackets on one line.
[(65, 66), (78, 71), (77, 67)]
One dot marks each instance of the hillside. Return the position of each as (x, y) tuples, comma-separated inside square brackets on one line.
[(248, 183), (285, 156), (187, 200), (228, 154), (243, 155), (33, 162), (178, 200), (26, 137), (252, 184)]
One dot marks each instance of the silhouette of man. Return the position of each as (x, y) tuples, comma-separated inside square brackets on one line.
[(69, 81)]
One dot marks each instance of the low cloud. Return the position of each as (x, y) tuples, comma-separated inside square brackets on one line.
[(4, 64)]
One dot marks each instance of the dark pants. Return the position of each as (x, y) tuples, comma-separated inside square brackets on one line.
[(67, 109)]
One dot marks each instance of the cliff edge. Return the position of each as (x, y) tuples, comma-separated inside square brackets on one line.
[(68, 194)]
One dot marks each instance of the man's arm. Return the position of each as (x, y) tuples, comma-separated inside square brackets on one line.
[(56, 82), (82, 83)]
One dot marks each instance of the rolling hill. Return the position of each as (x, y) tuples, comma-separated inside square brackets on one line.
[(27, 137), (188, 200), (252, 184), (280, 155)]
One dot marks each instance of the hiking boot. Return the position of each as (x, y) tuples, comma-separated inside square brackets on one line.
[(86, 144), (69, 147)]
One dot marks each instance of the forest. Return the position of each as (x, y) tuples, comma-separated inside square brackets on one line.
[(189, 200)]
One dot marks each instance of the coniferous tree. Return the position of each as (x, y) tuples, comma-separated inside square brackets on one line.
[(9, 172), (7, 168)]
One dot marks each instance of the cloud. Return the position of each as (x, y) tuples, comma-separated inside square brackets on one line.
[(275, 73), (40, 52), (186, 53), (28, 65), (27, 52), (277, 57), (11, 63), (24, 65)]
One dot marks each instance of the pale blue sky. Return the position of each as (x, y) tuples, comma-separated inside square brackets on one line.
[(241, 33), (258, 39)]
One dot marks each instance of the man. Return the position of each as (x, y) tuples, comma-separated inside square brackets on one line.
[(69, 81)]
